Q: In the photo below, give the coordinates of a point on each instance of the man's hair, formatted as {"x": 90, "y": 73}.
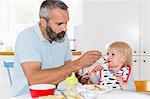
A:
{"x": 124, "y": 49}
{"x": 48, "y": 5}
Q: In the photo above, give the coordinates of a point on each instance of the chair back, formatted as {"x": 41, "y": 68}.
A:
{"x": 8, "y": 64}
{"x": 142, "y": 85}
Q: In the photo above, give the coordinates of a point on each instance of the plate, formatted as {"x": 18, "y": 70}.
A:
{"x": 59, "y": 97}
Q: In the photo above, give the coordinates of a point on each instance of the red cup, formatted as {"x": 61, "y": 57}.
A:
{"x": 39, "y": 90}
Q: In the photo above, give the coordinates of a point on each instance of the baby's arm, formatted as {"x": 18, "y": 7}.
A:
{"x": 97, "y": 68}
{"x": 85, "y": 79}
{"x": 95, "y": 77}
{"x": 92, "y": 76}
{"x": 122, "y": 83}
{"x": 129, "y": 85}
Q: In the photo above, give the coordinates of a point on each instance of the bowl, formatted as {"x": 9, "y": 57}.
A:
{"x": 39, "y": 90}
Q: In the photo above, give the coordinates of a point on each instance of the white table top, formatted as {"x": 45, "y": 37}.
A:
{"x": 123, "y": 95}
{"x": 108, "y": 95}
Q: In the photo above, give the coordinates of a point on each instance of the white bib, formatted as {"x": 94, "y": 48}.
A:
{"x": 108, "y": 77}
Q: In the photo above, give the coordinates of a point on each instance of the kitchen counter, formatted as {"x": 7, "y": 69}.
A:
{"x": 75, "y": 53}
{"x": 6, "y": 53}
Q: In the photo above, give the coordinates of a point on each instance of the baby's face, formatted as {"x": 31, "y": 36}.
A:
{"x": 115, "y": 58}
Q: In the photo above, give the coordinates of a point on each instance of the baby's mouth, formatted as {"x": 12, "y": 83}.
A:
{"x": 110, "y": 63}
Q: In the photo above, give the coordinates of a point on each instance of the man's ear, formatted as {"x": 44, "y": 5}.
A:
{"x": 43, "y": 22}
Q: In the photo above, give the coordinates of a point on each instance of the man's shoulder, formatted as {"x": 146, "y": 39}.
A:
{"x": 28, "y": 32}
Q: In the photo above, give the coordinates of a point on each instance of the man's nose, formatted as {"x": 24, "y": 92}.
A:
{"x": 64, "y": 28}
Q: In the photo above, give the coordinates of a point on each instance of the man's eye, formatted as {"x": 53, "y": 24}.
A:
{"x": 59, "y": 23}
{"x": 113, "y": 54}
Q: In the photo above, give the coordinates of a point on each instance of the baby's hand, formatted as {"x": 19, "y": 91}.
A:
{"x": 97, "y": 68}
{"x": 120, "y": 80}
{"x": 89, "y": 74}
{"x": 122, "y": 83}
{"x": 85, "y": 79}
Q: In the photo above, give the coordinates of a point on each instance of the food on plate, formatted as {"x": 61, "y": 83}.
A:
{"x": 93, "y": 87}
{"x": 59, "y": 97}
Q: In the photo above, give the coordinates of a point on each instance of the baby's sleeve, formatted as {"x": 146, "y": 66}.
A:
{"x": 95, "y": 78}
{"x": 130, "y": 83}
{"x": 105, "y": 65}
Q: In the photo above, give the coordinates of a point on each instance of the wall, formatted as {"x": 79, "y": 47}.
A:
{"x": 108, "y": 20}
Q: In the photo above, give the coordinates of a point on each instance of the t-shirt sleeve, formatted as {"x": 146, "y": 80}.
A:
{"x": 26, "y": 48}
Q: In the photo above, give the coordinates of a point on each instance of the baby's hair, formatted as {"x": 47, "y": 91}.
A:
{"x": 124, "y": 49}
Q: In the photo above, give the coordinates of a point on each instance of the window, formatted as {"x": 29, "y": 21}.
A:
{"x": 16, "y": 15}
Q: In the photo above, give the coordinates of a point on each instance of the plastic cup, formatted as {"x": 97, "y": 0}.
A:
{"x": 39, "y": 90}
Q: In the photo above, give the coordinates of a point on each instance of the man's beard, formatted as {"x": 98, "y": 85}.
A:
{"x": 57, "y": 37}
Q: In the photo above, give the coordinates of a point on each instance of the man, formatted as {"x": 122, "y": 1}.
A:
{"x": 42, "y": 52}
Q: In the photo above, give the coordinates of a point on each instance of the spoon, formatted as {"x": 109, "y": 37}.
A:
{"x": 64, "y": 95}
{"x": 103, "y": 58}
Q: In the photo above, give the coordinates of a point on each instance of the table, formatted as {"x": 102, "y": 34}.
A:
{"x": 123, "y": 95}
{"x": 118, "y": 94}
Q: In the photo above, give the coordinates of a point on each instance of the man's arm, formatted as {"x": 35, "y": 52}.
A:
{"x": 35, "y": 74}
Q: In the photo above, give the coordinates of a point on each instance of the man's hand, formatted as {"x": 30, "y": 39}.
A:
{"x": 89, "y": 58}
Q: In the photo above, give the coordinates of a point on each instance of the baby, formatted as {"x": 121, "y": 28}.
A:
{"x": 115, "y": 73}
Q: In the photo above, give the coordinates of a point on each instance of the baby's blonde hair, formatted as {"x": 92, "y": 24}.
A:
{"x": 124, "y": 49}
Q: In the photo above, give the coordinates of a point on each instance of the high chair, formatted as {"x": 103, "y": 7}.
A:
{"x": 142, "y": 85}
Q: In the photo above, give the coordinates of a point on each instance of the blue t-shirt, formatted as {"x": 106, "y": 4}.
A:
{"x": 32, "y": 46}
